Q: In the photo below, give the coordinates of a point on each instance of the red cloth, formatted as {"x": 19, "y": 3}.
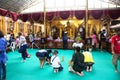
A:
{"x": 116, "y": 42}
{"x": 28, "y": 55}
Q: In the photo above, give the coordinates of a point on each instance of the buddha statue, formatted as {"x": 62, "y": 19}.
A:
{"x": 69, "y": 30}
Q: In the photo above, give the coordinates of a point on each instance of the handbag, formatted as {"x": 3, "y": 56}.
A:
{"x": 60, "y": 68}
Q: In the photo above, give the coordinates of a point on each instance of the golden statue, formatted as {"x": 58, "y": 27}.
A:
{"x": 69, "y": 30}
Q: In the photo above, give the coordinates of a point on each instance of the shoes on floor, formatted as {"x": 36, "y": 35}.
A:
{"x": 116, "y": 71}
{"x": 90, "y": 69}
{"x": 23, "y": 61}
{"x": 55, "y": 71}
{"x": 80, "y": 74}
{"x": 87, "y": 69}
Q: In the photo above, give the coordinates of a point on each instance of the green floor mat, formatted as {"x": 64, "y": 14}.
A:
{"x": 30, "y": 70}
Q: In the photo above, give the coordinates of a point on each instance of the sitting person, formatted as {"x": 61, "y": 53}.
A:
{"x": 77, "y": 44}
{"x": 43, "y": 55}
{"x": 88, "y": 60}
{"x": 78, "y": 38}
{"x": 55, "y": 60}
{"x": 77, "y": 62}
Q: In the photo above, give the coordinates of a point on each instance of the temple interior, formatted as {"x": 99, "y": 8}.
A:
{"x": 49, "y": 20}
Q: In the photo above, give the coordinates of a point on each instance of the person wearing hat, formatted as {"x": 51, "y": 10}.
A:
{"x": 116, "y": 49}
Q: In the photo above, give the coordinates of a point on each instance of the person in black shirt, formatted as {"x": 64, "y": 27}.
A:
{"x": 77, "y": 62}
{"x": 102, "y": 39}
{"x": 88, "y": 43}
{"x": 65, "y": 40}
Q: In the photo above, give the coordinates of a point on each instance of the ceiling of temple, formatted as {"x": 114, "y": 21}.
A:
{"x": 115, "y": 1}
{"x": 21, "y": 5}
{"x": 16, "y": 5}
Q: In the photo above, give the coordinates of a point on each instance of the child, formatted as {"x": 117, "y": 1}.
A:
{"x": 94, "y": 40}
{"x": 23, "y": 49}
{"x": 43, "y": 55}
{"x": 55, "y": 60}
{"x": 17, "y": 42}
{"x": 88, "y": 60}
{"x": 22, "y": 41}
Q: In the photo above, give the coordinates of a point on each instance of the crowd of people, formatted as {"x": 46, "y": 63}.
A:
{"x": 91, "y": 41}
{"x": 80, "y": 60}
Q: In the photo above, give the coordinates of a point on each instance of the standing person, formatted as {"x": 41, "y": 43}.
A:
{"x": 77, "y": 62}
{"x": 43, "y": 55}
{"x": 99, "y": 42}
{"x": 12, "y": 38}
{"x": 65, "y": 40}
{"x": 23, "y": 49}
{"x": 88, "y": 42}
{"x": 94, "y": 40}
{"x": 116, "y": 49}
{"x": 17, "y": 41}
{"x": 103, "y": 39}
{"x": 21, "y": 37}
{"x": 3, "y": 56}
{"x": 55, "y": 60}
{"x": 31, "y": 39}
{"x": 22, "y": 41}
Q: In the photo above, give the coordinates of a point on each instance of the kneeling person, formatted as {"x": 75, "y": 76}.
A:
{"x": 55, "y": 60}
{"x": 88, "y": 60}
{"x": 43, "y": 55}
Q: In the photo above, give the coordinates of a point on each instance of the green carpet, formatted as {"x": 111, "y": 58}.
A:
{"x": 30, "y": 70}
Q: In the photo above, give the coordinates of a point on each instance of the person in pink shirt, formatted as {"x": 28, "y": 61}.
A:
{"x": 17, "y": 42}
{"x": 94, "y": 40}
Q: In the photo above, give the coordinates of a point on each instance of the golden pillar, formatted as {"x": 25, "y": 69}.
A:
{"x": 25, "y": 27}
{"x": 86, "y": 18}
{"x": 17, "y": 27}
{"x": 45, "y": 27}
{"x": 1, "y": 22}
{"x": 3, "y": 26}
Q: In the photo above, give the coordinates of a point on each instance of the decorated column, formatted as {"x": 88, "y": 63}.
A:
{"x": 86, "y": 19}
{"x": 45, "y": 27}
